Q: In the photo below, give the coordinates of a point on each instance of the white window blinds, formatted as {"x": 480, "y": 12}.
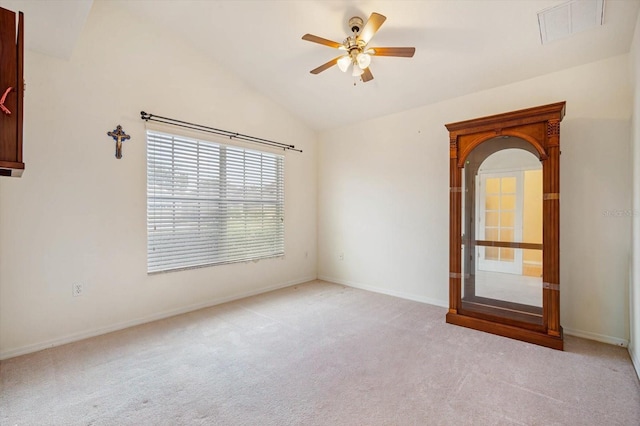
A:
{"x": 209, "y": 203}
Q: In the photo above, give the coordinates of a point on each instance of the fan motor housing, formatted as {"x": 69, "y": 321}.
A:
{"x": 355, "y": 24}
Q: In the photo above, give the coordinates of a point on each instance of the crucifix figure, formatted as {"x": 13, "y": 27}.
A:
{"x": 119, "y": 135}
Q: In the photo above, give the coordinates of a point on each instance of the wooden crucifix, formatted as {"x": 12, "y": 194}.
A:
{"x": 119, "y": 135}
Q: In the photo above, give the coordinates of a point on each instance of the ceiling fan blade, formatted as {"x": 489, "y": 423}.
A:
{"x": 326, "y": 66}
{"x": 371, "y": 27}
{"x": 366, "y": 75}
{"x": 324, "y": 41}
{"x": 404, "y": 52}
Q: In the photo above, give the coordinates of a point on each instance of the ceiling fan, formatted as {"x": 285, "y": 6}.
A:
{"x": 357, "y": 51}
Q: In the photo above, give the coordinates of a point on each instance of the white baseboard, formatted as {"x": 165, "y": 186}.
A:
{"x": 402, "y": 295}
{"x": 70, "y": 338}
{"x": 597, "y": 337}
{"x": 445, "y": 304}
{"x": 635, "y": 358}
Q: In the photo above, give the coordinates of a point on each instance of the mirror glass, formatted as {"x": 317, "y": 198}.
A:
{"x": 502, "y": 230}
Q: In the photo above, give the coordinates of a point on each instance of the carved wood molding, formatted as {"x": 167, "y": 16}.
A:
{"x": 553, "y": 128}
{"x": 453, "y": 147}
{"x": 553, "y": 133}
{"x": 509, "y": 119}
{"x": 464, "y": 151}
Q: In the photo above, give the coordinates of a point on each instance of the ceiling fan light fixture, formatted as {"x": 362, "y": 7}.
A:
{"x": 364, "y": 60}
{"x": 355, "y": 50}
{"x": 343, "y": 63}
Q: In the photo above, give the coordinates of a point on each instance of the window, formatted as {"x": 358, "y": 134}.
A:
{"x": 209, "y": 203}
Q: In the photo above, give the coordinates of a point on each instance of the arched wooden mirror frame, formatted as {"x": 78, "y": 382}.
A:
{"x": 540, "y": 127}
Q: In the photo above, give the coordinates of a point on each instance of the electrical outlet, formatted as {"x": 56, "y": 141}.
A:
{"x": 77, "y": 289}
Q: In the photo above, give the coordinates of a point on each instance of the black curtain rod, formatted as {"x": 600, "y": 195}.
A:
{"x": 234, "y": 136}
{"x": 220, "y": 132}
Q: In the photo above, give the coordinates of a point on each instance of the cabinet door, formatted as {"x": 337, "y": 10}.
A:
{"x": 11, "y": 92}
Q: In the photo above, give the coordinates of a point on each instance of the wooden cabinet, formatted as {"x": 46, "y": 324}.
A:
{"x": 504, "y": 277}
{"x": 11, "y": 92}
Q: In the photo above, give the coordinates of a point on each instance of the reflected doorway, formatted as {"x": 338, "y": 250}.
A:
{"x": 502, "y": 228}
{"x": 499, "y": 218}
{"x": 509, "y": 210}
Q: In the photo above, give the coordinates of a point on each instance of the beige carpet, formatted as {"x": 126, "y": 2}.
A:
{"x": 318, "y": 354}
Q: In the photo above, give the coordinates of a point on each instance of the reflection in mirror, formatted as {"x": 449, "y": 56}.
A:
{"x": 502, "y": 230}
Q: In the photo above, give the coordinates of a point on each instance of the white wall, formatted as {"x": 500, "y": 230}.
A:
{"x": 78, "y": 214}
{"x": 634, "y": 290}
{"x": 384, "y": 191}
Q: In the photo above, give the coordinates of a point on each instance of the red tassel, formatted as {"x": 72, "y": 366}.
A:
{"x": 4, "y": 98}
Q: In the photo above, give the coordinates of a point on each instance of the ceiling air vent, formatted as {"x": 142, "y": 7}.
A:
{"x": 568, "y": 18}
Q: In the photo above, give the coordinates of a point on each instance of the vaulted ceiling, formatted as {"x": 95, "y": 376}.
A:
{"x": 462, "y": 46}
